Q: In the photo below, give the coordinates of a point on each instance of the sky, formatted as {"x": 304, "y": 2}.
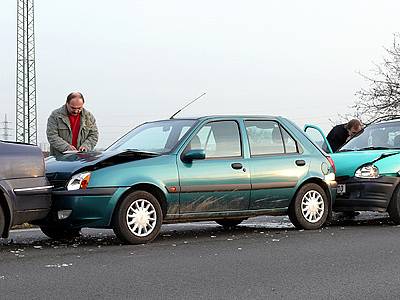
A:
{"x": 137, "y": 61}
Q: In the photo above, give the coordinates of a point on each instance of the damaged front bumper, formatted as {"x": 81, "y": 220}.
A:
{"x": 92, "y": 207}
{"x": 366, "y": 194}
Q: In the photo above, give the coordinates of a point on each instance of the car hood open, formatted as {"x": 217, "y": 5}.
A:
{"x": 64, "y": 166}
{"x": 347, "y": 163}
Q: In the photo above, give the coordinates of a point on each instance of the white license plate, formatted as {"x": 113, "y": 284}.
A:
{"x": 341, "y": 189}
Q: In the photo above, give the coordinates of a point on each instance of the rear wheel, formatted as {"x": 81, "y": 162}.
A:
{"x": 138, "y": 218}
{"x": 2, "y": 221}
{"x": 394, "y": 207}
{"x": 310, "y": 208}
{"x": 58, "y": 232}
{"x": 228, "y": 223}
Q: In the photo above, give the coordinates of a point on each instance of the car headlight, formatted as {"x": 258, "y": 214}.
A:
{"x": 367, "y": 171}
{"x": 79, "y": 181}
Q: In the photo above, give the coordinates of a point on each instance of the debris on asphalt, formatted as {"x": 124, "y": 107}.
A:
{"x": 58, "y": 265}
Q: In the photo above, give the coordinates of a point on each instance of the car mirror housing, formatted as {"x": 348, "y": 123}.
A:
{"x": 194, "y": 154}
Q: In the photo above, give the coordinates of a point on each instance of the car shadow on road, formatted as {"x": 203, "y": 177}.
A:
{"x": 186, "y": 232}
{"x": 170, "y": 233}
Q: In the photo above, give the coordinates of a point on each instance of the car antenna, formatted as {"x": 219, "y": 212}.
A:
{"x": 187, "y": 105}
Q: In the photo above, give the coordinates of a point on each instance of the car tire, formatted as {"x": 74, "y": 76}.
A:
{"x": 310, "y": 207}
{"x": 229, "y": 223}
{"x": 394, "y": 206}
{"x": 58, "y": 232}
{"x": 2, "y": 221}
{"x": 138, "y": 218}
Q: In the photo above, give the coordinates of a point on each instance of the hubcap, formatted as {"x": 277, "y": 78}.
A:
{"x": 312, "y": 206}
{"x": 141, "y": 217}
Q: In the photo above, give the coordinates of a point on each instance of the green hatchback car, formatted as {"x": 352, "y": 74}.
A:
{"x": 367, "y": 169}
{"x": 221, "y": 168}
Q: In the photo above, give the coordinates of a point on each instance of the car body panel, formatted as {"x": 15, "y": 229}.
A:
{"x": 348, "y": 162}
{"x": 93, "y": 207}
{"x": 25, "y": 191}
{"x": 274, "y": 180}
{"x": 212, "y": 185}
{"x": 197, "y": 190}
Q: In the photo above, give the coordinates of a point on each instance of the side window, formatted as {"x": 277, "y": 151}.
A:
{"x": 219, "y": 139}
{"x": 290, "y": 143}
{"x": 264, "y": 137}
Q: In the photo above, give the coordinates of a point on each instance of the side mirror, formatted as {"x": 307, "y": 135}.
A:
{"x": 193, "y": 155}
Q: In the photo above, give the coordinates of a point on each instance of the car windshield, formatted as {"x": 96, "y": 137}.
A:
{"x": 376, "y": 137}
{"x": 157, "y": 137}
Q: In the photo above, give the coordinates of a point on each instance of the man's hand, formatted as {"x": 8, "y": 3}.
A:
{"x": 71, "y": 147}
{"x": 82, "y": 149}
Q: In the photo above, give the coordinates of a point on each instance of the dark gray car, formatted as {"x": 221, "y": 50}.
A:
{"x": 25, "y": 193}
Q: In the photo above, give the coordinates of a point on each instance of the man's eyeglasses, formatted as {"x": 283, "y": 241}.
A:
{"x": 78, "y": 109}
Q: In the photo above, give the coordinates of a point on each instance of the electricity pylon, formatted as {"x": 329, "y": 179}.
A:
{"x": 26, "y": 112}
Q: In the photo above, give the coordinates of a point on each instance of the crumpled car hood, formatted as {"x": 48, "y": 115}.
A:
{"x": 71, "y": 163}
{"x": 348, "y": 162}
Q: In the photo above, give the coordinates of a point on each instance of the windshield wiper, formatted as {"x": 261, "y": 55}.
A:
{"x": 345, "y": 150}
{"x": 142, "y": 151}
{"x": 374, "y": 148}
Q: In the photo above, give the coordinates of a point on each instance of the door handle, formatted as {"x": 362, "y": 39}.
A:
{"x": 237, "y": 166}
{"x": 300, "y": 162}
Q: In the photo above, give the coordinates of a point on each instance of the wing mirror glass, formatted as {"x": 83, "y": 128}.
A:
{"x": 194, "y": 154}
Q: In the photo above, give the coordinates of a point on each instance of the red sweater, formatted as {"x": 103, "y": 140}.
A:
{"x": 75, "y": 122}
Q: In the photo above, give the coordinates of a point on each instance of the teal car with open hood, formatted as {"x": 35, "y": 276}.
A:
{"x": 367, "y": 169}
{"x": 221, "y": 168}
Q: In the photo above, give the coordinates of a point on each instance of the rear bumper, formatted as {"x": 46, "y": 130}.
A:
{"x": 26, "y": 200}
{"x": 366, "y": 194}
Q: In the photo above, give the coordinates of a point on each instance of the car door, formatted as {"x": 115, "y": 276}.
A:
{"x": 276, "y": 164}
{"x": 221, "y": 181}
{"x": 317, "y": 136}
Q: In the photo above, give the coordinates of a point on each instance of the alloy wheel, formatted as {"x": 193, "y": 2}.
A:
{"x": 312, "y": 206}
{"x": 141, "y": 217}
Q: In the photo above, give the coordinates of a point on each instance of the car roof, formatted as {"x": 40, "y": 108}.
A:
{"x": 227, "y": 117}
{"x": 388, "y": 122}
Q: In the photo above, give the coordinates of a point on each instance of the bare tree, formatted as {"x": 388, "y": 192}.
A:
{"x": 381, "y": 100}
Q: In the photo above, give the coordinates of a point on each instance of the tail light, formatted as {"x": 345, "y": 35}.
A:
{"x": 332, "y": 163}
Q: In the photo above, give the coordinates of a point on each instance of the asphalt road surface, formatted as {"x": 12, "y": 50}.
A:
{"x": 263, "y": 258}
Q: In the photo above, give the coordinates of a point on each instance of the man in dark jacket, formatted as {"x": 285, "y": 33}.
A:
{"x": 71, "y": 127}
{"x": 340, "y": 134}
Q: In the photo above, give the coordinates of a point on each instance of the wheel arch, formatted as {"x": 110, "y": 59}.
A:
{"x": 147, "y": 187}
{"x": 5, "y": 205}
{"x": 319, "y": 182}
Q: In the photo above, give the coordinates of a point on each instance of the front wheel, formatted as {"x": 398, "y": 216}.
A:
{"x": 58, "y": 232}
{"x": 310, "y": 207}
{"x": 138, "y": 218}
